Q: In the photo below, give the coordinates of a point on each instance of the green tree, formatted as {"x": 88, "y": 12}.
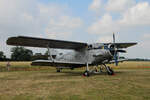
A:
{"x": 21, "y": 54}
{"x": 2, "y": 56}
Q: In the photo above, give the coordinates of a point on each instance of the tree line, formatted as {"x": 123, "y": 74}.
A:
{"x": 22, "y": 54}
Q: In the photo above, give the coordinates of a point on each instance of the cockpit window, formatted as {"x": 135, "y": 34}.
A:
{"x": 98, "y": 47}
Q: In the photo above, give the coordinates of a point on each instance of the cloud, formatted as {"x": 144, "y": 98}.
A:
{"x": 36, "y": 19}
{"x": 105, "y": 39}
{"x": 28, "y": 17}
{"x": 131, "y": 21}
{"x": 63, "y": 26}
{"x": 146, "y": 36}
{"x": 137, "y": 16}
{"x": 143, "y": 46}
{"x": 132, "y": 18}
{"x": 104, "y": 25}
{"x": 145, "y": 40}
{"x": 16, "y": 16}
{"x": 96, "y": 6}
{"x": 119, "y": 5}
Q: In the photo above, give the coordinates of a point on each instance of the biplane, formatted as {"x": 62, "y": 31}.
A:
{"x": 82, "y": 55}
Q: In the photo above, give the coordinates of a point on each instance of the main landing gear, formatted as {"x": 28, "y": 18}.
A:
{"x": 103, "y": 68}
{"x": 109, "y": 70}
{"x": 87, "y": 72}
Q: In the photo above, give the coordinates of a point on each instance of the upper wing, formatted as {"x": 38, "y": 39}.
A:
{"x": 123, "y": 45}
{"x": 44, "y": 43}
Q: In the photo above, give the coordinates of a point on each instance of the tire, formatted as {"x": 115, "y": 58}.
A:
{"x": 58, "y": 70}
{"x": 110, "y": 71}
{"x": 86, "y": 73}
{"x": 72, "y": 68}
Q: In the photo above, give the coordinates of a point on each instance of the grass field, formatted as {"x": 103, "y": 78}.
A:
{"x": 23, "y": 82}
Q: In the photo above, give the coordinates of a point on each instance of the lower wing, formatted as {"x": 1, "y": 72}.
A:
{"x": 58, "y": 64}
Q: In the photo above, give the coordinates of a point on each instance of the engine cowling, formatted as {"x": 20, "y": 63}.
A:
{"x": 111, "y": 48}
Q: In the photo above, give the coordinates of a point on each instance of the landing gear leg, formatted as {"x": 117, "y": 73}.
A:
{"x": 109, "y": 70}
{"x": 87, "y": 72}
{"x": 102, "y": 67}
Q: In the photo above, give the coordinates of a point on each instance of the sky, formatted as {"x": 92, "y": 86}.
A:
{"x": 91, "y": 21}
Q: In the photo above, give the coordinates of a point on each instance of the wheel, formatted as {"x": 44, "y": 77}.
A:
{"x": 86, "y": 73}
{"x": 72, "y": 68}
{"x": 58, "y": 70}
{"x": 110, "y": 71}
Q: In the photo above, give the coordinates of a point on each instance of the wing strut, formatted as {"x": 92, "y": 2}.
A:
{"x": 49, "y": 53}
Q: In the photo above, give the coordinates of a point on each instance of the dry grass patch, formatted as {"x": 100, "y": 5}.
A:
{"x": 132, "y": 65}
{"x": 127, "y": 84}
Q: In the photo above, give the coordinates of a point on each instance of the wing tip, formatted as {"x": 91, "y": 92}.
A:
{"x": 135, "y": 43}
{"x": 9, "y": 40}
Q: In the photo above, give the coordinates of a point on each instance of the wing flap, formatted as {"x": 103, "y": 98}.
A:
{"x": 44, "y": 43}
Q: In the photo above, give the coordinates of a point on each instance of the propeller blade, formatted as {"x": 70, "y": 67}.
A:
{"x": 116, "y": 59}
{"x": 113, "y": 38}
{"x": 115, "y": 51}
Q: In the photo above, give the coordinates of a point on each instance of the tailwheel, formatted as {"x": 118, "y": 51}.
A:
{"x": 72, "y": 68}
{"x": 58, "y": 70}
{"x": 86, "y": 73}
{"x": 110, "y": 71}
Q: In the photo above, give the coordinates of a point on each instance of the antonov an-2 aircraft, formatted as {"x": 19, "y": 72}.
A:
{"x": 83, "y": 54}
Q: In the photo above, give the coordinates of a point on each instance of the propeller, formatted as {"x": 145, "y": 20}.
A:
{"x": 115, "y": 51}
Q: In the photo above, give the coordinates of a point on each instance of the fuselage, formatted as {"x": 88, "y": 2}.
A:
{"x": 96, "y": 54}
